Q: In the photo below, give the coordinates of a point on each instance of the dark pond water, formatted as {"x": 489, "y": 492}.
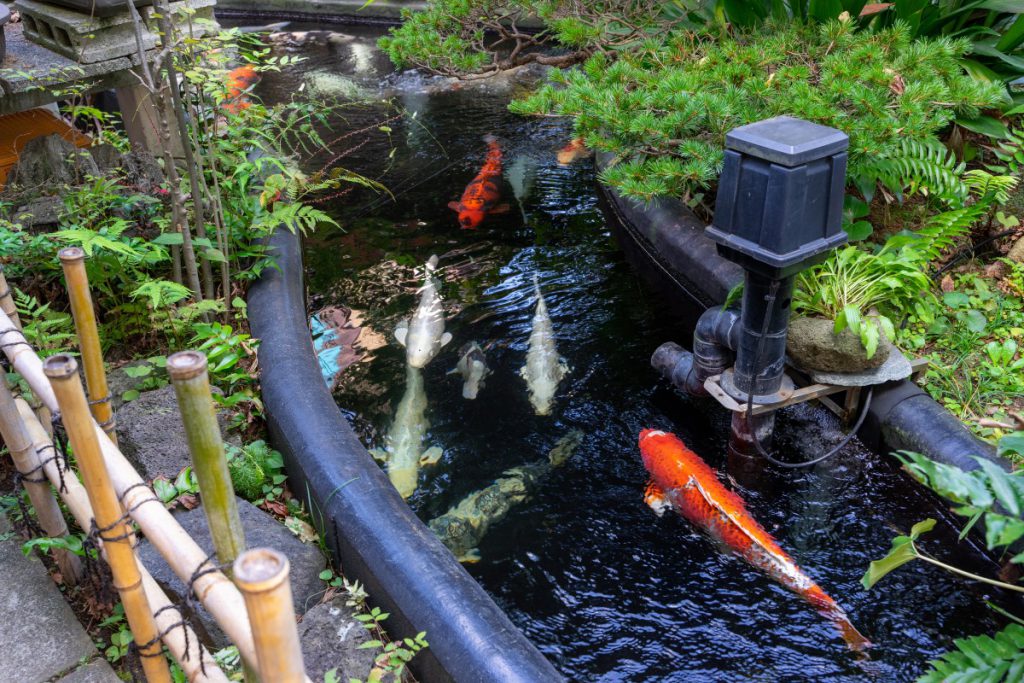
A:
{"x": 605, "y": 589}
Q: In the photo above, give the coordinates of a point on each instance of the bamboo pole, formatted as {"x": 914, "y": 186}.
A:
{"x": 27, "y": 461}
{"x": 215, "y": 590}
{"x": 7, "y": 299}
{"x": 62, "y": 370}
{"x": 262, "y": 576}
{"x": 72, "y": 260}
{"x": 187, "y": 370}
{"x": 181, "y": 640}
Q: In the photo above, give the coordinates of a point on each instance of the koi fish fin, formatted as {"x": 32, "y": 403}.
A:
{"x": 656, "y": 499}
{"x": 713, "y": 502}
{"x": 455, "y": 206}
{"x": 854, "y": 639}
{"x": 500, "y": 208}
{"x": 445, "y": 338}
{"x": 402, "y": 331}
{"x": 470, "y": 556}
{"x": 431, "y": 456}
{"x": 432, "y": 263}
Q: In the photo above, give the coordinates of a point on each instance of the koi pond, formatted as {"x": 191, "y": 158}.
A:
{"x": 604, "y": 587}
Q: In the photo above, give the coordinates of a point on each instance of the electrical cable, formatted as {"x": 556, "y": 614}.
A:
{"x": 769, "y": 311}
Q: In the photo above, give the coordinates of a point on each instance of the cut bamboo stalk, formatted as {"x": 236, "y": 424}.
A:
{"x": 72, "y": 259}
{"x": 62, "y": 370}
{"x": 262, "y": 576}
{"x": 192, "y": 386}
{"x": 215, "y": 590}
{"x": 27, "y": 461}
{"x": 7, "y": 299}
{"x": 182, "y": 641}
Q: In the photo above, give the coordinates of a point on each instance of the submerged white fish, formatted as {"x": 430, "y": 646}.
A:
{"x": 403, "y": 452}
{"x": 472, "y": 366}
{"x": 424, "y": 335}
{"x": 544, "y": 368}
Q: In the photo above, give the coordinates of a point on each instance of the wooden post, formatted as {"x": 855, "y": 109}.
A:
{"x": 72, "y": 259}
{"x": 187, "y": 370}
{"x": 262, "y": 576}
{"x": 28, "y": 462}
{"x": 114, "y": 530}
{"x": 7, "y": 299}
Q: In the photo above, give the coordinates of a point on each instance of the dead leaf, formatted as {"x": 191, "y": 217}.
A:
{"x": 305, "y": 532}
{"x": 189, "y": 501}
{"x": 995, "y": 270}
{"x": 875, "y": 8}
{"x": 897, "y": 86}
{"x": 947, "y": 284}
{"x": 275, "y": 507}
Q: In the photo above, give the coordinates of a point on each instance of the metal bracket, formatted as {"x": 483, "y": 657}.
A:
{"x": 806, "y": 392}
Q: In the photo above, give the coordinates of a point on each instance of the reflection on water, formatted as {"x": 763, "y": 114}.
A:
{"x": 603, "y": 587}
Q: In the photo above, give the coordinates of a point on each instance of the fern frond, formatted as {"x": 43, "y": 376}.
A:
{"x": 982, "y": 658}
{"x": 988, "y": 187}
{"x": 925, "y": 167}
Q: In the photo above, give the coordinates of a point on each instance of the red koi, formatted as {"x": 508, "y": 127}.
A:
{"x": 681, "y": 480}
{"x": 576, "y": 149}
{"x": 481, "y": 195}
{"x": 238, "y": 82}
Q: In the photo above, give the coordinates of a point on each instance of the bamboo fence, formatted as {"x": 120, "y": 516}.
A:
{"x": 189, "y": 562}
{"x": 72, "y": 260}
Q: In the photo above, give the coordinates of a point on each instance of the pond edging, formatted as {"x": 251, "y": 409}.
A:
{"x": 373, "y": 535}
{"x": 902, "y": 416}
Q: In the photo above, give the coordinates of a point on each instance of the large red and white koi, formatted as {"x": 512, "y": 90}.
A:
{"x": 682, "y": 481}
{"x": 481, "y": 196}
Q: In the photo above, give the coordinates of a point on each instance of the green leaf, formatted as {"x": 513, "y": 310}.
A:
{"x": 168, "y": 239}
{"x": 986, "y": 125}
{"x": 1011, "y": 444}
{"x": 902, "y": 552}
{"x": 956, "y": 299}
{"x": 164, "y": 490}
{"x": 975, "y": 321}
{"x": 869, "y": 337}
{"x": 999, "y": 481}
{"x": 130, "y": 395}
{"x": 859, "y": 230}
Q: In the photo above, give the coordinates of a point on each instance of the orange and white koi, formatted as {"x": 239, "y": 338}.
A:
{"x": 239, "y": 80}
{"x": 681, "y": 480}
{"x": 576, "y": 149}
{"x": 481, "y": 196}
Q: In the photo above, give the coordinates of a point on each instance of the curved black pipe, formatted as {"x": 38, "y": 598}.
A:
{"x": 668, "y": 236}
{"x": 372, "y": 533}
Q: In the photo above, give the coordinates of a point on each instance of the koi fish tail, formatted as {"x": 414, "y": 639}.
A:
{"x": 854, "y": 639}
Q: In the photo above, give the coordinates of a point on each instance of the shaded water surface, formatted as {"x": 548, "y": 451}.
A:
{"x": 604, "y": 588}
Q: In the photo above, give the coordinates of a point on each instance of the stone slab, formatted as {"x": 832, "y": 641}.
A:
{"x": 261, "y": 530}
{"x": 895, "y": 367}
{"x": 330, "y": 638}
{"x": 41, "y": 637}
{"x": 96, "y": 671}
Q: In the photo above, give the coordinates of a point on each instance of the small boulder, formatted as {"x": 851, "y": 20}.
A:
{"x": 813, "y": 346}
{"x": 262, "y": 530}
{"x": 330, "y": 637}
{"x": 151, "y": 435}
{"x": 48, "y": 163}
{"x": 1017, "y": 251}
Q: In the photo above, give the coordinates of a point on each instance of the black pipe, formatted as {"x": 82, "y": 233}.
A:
{"x": 372, "y": 533}
{"x": 761, "y": 358}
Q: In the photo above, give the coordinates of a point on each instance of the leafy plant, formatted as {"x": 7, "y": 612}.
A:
{"x": 994, "y": 497}
{"x": 257, "y": 471}
{"x": 47, "y": 330}
{"x": 390, "y": 663}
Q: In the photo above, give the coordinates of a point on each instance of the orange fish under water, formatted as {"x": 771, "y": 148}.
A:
{"x": 576, "y": 149}
{"x": 681, "y": 480}
{"x": 238, "y": 81}
{"x": 481, "y": 196}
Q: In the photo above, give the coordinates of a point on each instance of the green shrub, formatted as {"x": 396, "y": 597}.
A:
{"x": 663, "y": 111}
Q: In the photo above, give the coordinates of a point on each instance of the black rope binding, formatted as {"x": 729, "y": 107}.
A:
{"x": 748, "y": 416}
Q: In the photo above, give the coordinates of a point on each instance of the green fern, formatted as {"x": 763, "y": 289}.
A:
{"x": 1010, "y": 151}
{"x": 48, "y": 331}
{"x": 915, "y": 167}
{"x": 988, "y": 187}
{"x": 993, "y": 659}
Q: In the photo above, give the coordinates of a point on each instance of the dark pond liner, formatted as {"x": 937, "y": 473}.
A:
{"x": 666, "y": 239}
{"x": 374, "y": 536}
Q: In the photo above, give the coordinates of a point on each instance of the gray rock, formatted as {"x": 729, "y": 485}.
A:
{"x": 812, "y": 345}
{"x": 261, "y": 530}
{"x": 1017, "y": 251}
{"x": 96, "y": 671}
{"x": 118, "y": 381}
{"x": 48, "y": 163}
{"x": 142, "y": 171}
{"x": 106, "y": 156}
{"x": 41, "y": 212}
{"x": 151, "y": 435}
{"x": 41, "y": 637}
{"x": 895, "y": 367}
{"x": 330, "y": 638}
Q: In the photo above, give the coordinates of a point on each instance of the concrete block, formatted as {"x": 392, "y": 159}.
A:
{"x": 41, "y": 637}
{"x": 96, "y": 671}
{"x": 88, "y": 39}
